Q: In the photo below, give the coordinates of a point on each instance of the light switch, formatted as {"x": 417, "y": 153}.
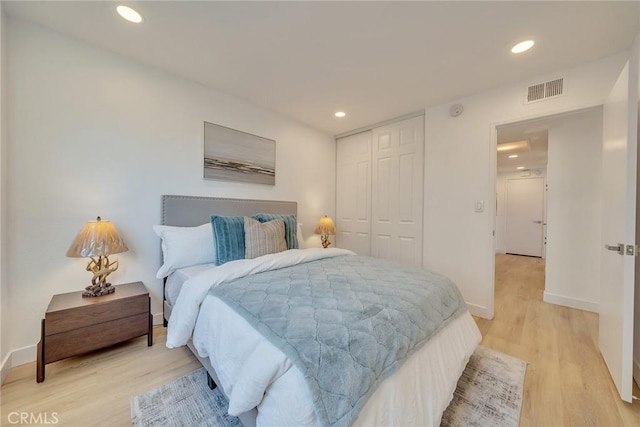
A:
{"x": 479, "y": 206}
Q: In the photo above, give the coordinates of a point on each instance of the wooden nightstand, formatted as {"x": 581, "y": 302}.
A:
{"x": 74, "y": 325}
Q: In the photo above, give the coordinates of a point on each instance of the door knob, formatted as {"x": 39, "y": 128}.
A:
{"x": 617, "y": 248}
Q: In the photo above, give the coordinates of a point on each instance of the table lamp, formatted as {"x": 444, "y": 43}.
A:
{"x": 325, "y": 228}
{"x": 97, "y": 240}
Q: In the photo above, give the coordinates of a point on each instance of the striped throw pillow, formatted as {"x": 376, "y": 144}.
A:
{"x": 290, "y": 228}
{"x": 263, "y": 238}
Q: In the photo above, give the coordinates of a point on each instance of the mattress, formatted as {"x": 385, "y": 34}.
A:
{"x": 176, "y": 279}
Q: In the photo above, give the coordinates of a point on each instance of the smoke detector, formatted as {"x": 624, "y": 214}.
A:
{"x": 456, "y": 110}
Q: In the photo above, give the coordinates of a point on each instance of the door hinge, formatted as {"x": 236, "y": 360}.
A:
{"x": 631, "y": 250}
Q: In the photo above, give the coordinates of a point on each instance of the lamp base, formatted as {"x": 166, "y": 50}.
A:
{"x": 98, "y": 291}
{"x": 100, "y": 268}
{"x": 324, "y": 239}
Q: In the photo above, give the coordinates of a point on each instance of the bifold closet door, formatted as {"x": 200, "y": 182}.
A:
{"x": 397, "y": 191}
{"x": 353, "y": 193}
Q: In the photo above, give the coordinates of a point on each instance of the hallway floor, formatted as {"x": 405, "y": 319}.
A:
{"x": 567, "y": 382}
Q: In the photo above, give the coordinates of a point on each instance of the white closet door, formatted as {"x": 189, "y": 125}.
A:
{"x": 353, "y": 193}
{"x": 397, "y": 188}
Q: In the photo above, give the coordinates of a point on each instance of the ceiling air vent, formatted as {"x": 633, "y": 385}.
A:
{"x": 536, "y": 92}
{"x": 542, "y": 91}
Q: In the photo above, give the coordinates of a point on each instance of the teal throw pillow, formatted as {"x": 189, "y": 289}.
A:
{"x": 229, "y": 238}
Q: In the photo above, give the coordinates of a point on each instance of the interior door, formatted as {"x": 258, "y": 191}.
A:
{"x": 618, "y": 227}
{"x": 525, "y": 216}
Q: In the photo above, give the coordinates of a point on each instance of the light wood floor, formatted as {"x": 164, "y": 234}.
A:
{"x": 94, "y": 390}
{"x": 566, "y": 384}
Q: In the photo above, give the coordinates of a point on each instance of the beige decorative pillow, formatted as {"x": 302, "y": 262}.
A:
{"x": 262, "y": 238}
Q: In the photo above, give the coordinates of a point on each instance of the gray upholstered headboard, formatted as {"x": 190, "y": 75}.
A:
{"x": 191, "y": 211}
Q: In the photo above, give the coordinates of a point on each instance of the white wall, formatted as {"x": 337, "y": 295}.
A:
{"x": 93, "y": 133}
{"x": 572, "y": 276}
{"x": 457, "y": 241}
{"x": 501, "y": 203}
{"x": 5, "y": 346}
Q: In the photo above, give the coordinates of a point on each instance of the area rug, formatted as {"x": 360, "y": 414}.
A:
{"x": 489, "y": 393}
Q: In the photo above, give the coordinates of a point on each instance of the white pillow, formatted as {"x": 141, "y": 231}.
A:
{"x": 300, "y": 237}
{"x": 185, "y": 246}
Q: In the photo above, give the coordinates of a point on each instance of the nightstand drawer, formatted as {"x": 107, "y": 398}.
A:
{"x": 82, "y": 340}
{"x": 68, "y": 320}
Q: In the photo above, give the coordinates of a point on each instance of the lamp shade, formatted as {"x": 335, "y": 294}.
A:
{"x": 97, "y": 238}
{"x": 325, "y": 226}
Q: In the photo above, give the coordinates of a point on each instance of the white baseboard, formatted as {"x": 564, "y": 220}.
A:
{"x": 4, "y": 367}
{"x": 479, "y": 310}
{"x": 158, "y": 318}
{"x": 24, "y": 355}
{"x": 571, "y": 302}
{"x": 18, "y": 357}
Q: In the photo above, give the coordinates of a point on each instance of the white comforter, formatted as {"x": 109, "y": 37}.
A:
{"x": 254, "y": 373}
{"x": 184, "y": 313}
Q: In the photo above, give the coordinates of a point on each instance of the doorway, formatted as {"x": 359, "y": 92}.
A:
{"x": 564, "y": 152}
{"x": 522, "y": 154}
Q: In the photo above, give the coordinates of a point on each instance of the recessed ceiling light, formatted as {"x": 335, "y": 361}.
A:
{"x": 340, "y": 114}
{"x": 513, "y": 156}
{"x": 513, "y": 146}
{"x": 520, "y": 168}
{"x": 522, "y": 46}
{"x": 129, "y": 14}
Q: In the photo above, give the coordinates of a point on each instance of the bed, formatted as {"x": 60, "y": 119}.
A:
{"x": 267, "y": 385}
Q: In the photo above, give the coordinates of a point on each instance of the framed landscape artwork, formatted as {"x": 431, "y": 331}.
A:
{"x": 232, "y": 155}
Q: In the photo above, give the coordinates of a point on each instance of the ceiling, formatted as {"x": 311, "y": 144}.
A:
{"x": 536, "y": 133}
{"x": 373, "y": 60}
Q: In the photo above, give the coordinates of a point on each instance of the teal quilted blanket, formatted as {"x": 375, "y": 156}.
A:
{"x": 346, "y": 322}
